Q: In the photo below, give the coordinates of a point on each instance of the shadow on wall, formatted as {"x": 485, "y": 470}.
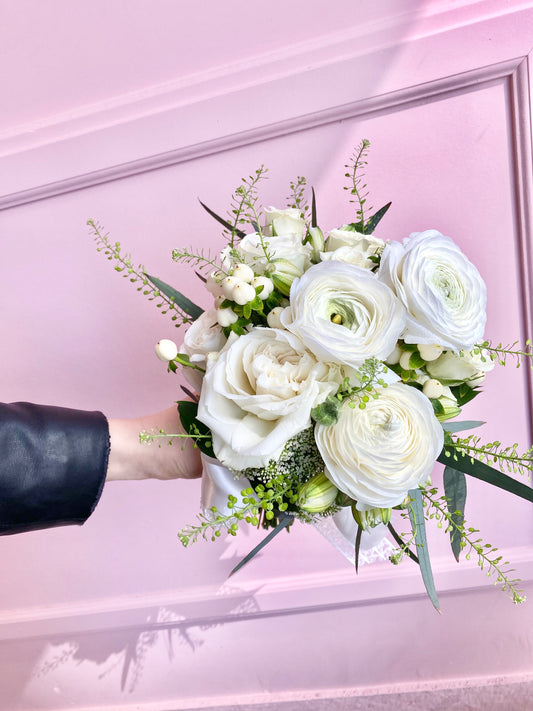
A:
{"x": 40, "y": 667}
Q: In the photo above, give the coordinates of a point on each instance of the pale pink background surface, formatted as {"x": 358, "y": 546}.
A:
{"x": 129, "y": 112}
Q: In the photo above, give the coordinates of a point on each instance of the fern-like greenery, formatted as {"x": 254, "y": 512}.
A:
{"x": 501, "y": 353}
{"x": 296, "y": 198}
{"x": 494, "y": 454}
{"x": 356, "y": 187}
{"x": 136, "y": 274}
{"x": 488, "y": 558}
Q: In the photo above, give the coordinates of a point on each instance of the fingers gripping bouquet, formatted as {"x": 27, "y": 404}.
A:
{"x": 328, "y": 369}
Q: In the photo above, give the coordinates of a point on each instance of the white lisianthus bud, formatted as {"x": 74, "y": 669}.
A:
{"x": 432, "y": 389}
{"x": 213, "y": 283}
{"x": 283, "y": 273}
{"x": 166, "y": 350}
{"x": 394, "y": 357}
{"x": 371, "y": 517}
{"x": 266, "y": 283}
{"x": 228, "y": 284}
{"x": 317, "y": 494}
{"x": 225, "y": 317}
{"x": 243, "y": 272}
{"x": 273, "y": 318}
{"x": 429, "y": 352}
{"x": 315, "y": 237}
{"x": 243, "y": 293}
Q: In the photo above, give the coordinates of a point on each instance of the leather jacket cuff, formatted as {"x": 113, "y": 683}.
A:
{"x": 53, "y": 464}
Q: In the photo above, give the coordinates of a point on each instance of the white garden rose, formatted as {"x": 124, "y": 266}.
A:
{"x": 344, "y": 314}
{"x": 377, "y": 454}
{"x": 202, "y": 337}
{"x": 284, "y": 222}
{"x": 288, "y": 246}
{"x": 441, "y": 289}
{"x": 353, "y": 247}
{"x": 259, "y": 392}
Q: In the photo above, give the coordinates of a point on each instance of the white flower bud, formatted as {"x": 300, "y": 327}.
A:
{"x": 432, "y": 389}
{"x": 228, "y": 285}
{"x": 429, "y": 352}
{"x": 243, "y": 293}
{"x": 166, "y": 350}
{"x": 225, "y": 317}
{"x": 283, "y": 273}
{"x": 317, "y": 494}
{"x": 404, "y": 360}
{"x": 243, "y": 272}
{"x": 476, "y": 379}
{"x": 394, "y": 357}
{"x": 266, "y": 283}
{"x": 273, "y": 318}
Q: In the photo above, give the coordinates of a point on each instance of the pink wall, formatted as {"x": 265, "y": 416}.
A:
{"x": 130, "y": 116}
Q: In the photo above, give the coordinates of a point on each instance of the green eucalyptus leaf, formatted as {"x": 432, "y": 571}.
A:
{"x": 418, "y": 524}
{"x": 182, "y": 301}
{"x": 284, "y": 521}
{"x": 480, "y": 470}
{"x": 455, "y": 492}
{"x": 358, "y": 547}
{"x": 234, "y": 230}
{"x": 373, "y": 222}
{"x": 461, "y": 426}
{"x": 313, "y": 209}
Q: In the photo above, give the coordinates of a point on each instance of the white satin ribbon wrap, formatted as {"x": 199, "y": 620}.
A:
{"x": 218, "y": 482}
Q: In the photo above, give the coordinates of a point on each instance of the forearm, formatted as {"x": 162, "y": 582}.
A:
{"x": 162, "y": 459}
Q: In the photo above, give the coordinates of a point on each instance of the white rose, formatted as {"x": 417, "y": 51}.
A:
{"x": 202, "y": 337}
{"x": 466, "y": 367}
{"x": 353, "y": 247}
{"x": 377, "y": 454}
{"x": 344, "y": 314}
{"x": 440, "y": 288}
{"x": 284, "y": 222}
{"x": 287, "y": 247}
{"x": 259, "y": 392}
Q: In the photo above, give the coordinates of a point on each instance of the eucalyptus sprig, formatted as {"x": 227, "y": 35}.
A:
{"x": 488, "y": 558}
{"x": 137, "y": 275}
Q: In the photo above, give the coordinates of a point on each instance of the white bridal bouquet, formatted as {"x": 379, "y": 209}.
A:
{"x": 327, "y": 372}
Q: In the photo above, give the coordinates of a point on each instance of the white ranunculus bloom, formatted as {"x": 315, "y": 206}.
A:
{"x": 259, "y": 392}
{"x": 465, "y": 367}
{"x": 288, "y": 246}
{"x": 344, "y": 314}
{"x": 202, "y": 337}
{"x": 284, "y": 222}
{"x": 377, "y": 454}
{"x": 353, "y": 247}
{"x": 441, "y": 289}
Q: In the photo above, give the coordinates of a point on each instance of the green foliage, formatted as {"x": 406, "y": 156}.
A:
{"x": 418, "y": 524}
{"x": 296, "y": 198}
{"x": 137, "y": 275}
{"x": 505, "y": 458}
{"x": 501, "y": 353}
{"x": 488, "y": 558}
{"x": 356, "y": 187}
{"x": 194, "y": 428}
{"x": 244, "y": 207}
{"x": 455, "y": 493}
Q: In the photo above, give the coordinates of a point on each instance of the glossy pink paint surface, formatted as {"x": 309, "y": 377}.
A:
{"x": 130, "y": 112}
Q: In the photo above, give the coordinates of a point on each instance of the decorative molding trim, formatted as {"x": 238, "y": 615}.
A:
{"x": 521, "y": 127}
{"x": 394, "y": 101}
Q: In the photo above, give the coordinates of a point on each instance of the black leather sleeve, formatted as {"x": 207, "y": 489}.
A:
{"x": 53, "y": 463}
